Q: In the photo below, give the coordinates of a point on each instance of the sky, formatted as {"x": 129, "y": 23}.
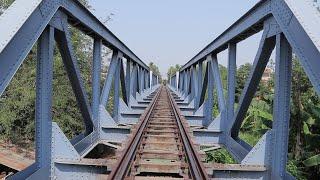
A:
{"x": 169, "y": 32}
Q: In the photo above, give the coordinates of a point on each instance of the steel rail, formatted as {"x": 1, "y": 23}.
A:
{"x": 122, "y": 167}
{"x": 197, "y": 169}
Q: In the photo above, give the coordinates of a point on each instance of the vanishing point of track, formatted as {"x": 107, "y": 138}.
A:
{"x": 160, "y": 145}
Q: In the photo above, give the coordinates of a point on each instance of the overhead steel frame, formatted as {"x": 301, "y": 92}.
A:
{"x": 47, "y": 22}
{"x": 288, "y": 25}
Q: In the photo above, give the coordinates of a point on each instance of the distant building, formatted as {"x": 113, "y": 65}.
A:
{"x": 267, "y": 75}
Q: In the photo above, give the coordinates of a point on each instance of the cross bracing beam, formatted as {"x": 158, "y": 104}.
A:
{"x": 48, "y": 22}
{"x": 261, "y": 60}
{"x": 291, "y": 27}
{"x": 33, "y": 17}
{"x": 63, "y": 39}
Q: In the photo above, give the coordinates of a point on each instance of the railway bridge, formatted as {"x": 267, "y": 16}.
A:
{"x": 156, "y": 131}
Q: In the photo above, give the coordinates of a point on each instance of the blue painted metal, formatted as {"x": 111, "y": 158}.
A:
{"x": 116, "y": 90}
{"x": 259, "y": 64}
{"x": 96, "y": 77}
{"x": 281, "y": 108}
{"x": 232, "y": 68}
{"x": 209, "y": 101}
{"x": 45, "y": 21}
{"x": 218, "y": 82}
{"x": 111, "y": 72}
{"x": 128, "y": 80}
{"x": 44, "y": 99}
{"x": 63, "y": 40}
{"x": 288, "y": 25}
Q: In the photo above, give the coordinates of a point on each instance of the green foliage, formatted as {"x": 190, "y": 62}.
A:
{"x": 4, "y": 4}
{"x": 17, "y": 104}
{"x": 224, "y": 76}
{"x": 172, "y": 70}
{"x": 220, "y": 156}
{"x": 312, "y": 161}
{"x": 155, "y": 69}
{"x": 241, "y": 78}
{"x": 304, "y": 140}
{"x": 296, "y": 171}
{"x": 249, "y": 137}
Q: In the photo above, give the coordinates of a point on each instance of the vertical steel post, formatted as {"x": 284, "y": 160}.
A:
{"x": 145, "y": 79}
{"x": 150, "y": 79}
{"x": 181, "y": 78}
{"x": 218, "y": 82}
{"x": 192, "y": 83}
{"x": 128, "y": 80}
{"x": 134, "y": 80}
{"x": 186, "y": 84}
{"x": 177, "y": 81}
{"x": 116, "y": 92}
{"x": 44, "y": 98}
{"x": 141, "y": 80}
{"x": 96, "y": 77}
{"x": 200, "y": 71}
{"x": 232, "y": 69}
{"x": 281, "y": 108}
{"x": 209, "y": 103}
{"x": 108, "y": 82}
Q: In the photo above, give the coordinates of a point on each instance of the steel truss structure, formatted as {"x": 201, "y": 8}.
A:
{"x": 47, "y": 22}
{"x": 289, "y": 26}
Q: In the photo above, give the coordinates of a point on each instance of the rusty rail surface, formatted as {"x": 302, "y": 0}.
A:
{"x": 197, "y": 169}
{"x": 160, "y": 146}
{"x": 122, "y": 167}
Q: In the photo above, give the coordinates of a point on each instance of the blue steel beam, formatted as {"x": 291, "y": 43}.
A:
{"x": 96, "y": 78}
{"x": 116, "y": 55}
{"x": 204, "y": 85}
{"x": 33, "y": 17}
{"x": 281, "y": 107}
{"x": 218, "y": 82}
{"x": 70, "y": 62}
{"x": 232, "y": 69}
{"x": 200, "y": 81}
{"x": 260, "y": 62}
{"x": 134, "y": 80}
{"x": 304, "y": 39}
{"x": 56, "y": 156}
{"x": 209, "y": 102}
{"x": 247, "y": 25}
{"x": 293, "y": 25}
{"x": 91, "y": 25}
{"x": 116, "y": 92}
{"x": 128, "y": 80}
{"x": 123, "y": 83}
{"x": 44, "y": 98}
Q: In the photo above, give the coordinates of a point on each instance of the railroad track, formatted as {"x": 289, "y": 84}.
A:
{"x": 160, "y": 146}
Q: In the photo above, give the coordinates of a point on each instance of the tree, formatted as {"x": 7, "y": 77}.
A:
{"x": 17, "y": 104}
{"x": 241, "y": 79}
{"x": 155, "y": 69}
{"x": 172, "y": 70}
{"x": 4, "y": 4}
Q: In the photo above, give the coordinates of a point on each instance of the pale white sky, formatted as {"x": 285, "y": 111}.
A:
{"x": 171, "y": 32}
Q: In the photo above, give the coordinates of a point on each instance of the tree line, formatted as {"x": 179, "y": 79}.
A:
{"x": 304, "y": 136}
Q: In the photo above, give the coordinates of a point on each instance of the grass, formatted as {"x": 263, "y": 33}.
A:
{"x": 220, "y": 156}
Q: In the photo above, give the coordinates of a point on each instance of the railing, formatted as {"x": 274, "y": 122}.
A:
{"x": 281, "y": 30}
{"x": 47, "y": 22}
